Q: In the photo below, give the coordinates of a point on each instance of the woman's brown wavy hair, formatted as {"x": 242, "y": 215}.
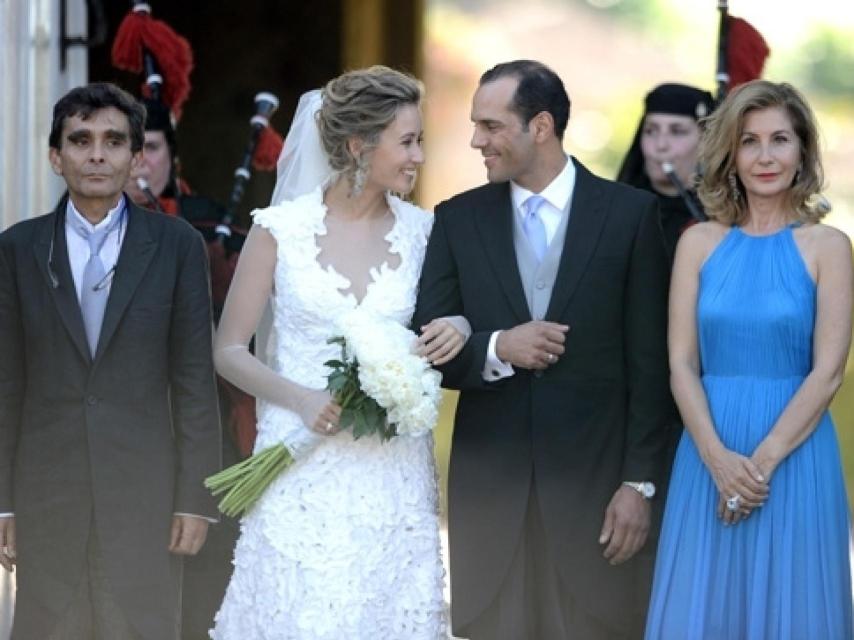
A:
{"x": 720, "y": 141}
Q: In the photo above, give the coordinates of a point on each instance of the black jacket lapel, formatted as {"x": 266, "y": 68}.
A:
{"x": 64, "y": 294}
{"x": 494, "y": 221}
{"x": 587, "y": 216}
{"x": 134, "y": 258}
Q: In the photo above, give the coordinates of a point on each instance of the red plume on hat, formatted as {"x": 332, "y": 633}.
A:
{"x": 140, "y": 33}
{"x": 746, "y": 52}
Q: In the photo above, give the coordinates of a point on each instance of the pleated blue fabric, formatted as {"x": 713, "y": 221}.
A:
{"x": 783, "y": 574}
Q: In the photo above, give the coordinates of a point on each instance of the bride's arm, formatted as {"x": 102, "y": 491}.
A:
{"x": 244, "y": 305}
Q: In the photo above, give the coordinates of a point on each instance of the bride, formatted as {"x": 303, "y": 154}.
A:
{"x": 345, "y": 543}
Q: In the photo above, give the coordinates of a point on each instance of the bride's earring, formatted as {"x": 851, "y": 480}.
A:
{"x": 359, "y": 177}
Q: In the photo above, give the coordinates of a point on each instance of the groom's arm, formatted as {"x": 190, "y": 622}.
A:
{"x": 627, "y": 516}
{"x": 647, "y": 371}
{"x": 439, "y": 295}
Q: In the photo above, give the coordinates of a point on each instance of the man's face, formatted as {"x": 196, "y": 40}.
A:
{"x": 95, "y": 158}
{"x": 155, "y": 167}
{"x": 505, "y": 142}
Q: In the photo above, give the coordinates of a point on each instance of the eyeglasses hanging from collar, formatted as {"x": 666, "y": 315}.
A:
{"x": 103, "y": 282}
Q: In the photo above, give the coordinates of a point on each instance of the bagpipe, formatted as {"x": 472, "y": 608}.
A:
{"x": 741, "y": 55}
{"x": 742, "y": 52}
{"x": 150, "y": 47}
{"x": 262, "y": 151}
{"x": 223, "y": 234}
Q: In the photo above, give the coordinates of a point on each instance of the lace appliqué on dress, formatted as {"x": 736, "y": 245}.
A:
{"x": 346, "y": 543}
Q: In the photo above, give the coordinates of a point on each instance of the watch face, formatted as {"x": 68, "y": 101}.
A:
{"x": 647, "y": 489}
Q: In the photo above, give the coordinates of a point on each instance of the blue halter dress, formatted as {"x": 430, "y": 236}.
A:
{"x": 783, "y": 574}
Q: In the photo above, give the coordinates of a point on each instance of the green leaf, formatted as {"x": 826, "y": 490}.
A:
{"x": 360, "y": 426}
{"x": 336, "y": 382}
{"x": 347, "y": 418}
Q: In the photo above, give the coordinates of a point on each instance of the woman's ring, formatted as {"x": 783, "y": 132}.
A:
{"x": 733, "y": 503}
{"x": 329, "y": 427}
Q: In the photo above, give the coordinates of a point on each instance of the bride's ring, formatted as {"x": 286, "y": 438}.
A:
{"x": 329, "y": 427}
{"x": 733, "y": 502}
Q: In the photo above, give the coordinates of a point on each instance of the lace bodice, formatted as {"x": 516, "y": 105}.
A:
{"x": 307, "y": 297}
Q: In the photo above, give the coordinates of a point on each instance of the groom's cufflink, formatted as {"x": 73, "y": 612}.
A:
{"x": 646, "y": 489}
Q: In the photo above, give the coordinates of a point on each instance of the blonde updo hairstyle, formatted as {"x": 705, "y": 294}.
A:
{"x": 361, "y": 104}
{"x": 720, "y": 143}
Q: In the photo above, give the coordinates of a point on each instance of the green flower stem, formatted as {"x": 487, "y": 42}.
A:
{"x": 246, "y": 481}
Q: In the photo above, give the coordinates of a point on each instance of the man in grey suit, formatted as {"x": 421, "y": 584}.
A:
{"x": 108, "y": 410}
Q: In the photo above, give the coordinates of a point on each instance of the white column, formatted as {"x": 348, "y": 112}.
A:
{"x": 31, "y": 81}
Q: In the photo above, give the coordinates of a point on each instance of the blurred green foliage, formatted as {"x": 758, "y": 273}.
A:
{"x": 823, "y": 66}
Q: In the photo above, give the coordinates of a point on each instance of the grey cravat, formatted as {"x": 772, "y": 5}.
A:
{"x": 94, "y": 292}
{"x": 534, "y": 227}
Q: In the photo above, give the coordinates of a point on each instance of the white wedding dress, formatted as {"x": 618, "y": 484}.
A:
{"x": 344, "y": 545}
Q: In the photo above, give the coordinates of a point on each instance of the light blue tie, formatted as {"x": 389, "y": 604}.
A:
{"x": 534, "y": 227}
{"x": 94, "y": 293}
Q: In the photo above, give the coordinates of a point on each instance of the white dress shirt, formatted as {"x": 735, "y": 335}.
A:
{"x": 78, "y": 246}
{"x": 556, "y": 196}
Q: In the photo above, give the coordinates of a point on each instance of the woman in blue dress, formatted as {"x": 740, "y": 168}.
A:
{"x": 755, "y": 539}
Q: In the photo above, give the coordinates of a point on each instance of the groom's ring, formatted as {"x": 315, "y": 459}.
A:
{"x": 551, "y": 357}
{"x": 733, "y": 502}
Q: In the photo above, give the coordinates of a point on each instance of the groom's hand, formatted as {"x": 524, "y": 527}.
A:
{"x": 626, "y": 525}
{"x": 533, "y": 345}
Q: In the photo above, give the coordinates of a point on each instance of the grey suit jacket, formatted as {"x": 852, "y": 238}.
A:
{"x": 119, "y": 441}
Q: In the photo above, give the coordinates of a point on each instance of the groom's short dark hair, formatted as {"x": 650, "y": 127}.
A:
{"x": 540, "y": 89}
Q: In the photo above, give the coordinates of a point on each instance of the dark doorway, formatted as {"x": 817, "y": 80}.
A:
{"x": 240, "y": 48}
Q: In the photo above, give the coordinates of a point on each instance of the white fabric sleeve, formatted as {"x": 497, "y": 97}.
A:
{"x": 493, "y": 368}
{"x": 247, "y": 297}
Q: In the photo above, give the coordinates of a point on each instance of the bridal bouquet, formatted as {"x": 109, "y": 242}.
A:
{"x": 382, "y": 386}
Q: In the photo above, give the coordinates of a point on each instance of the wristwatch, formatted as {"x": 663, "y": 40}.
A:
{"x": 646, "y": 489}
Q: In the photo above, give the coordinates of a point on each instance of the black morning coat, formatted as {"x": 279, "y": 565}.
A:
{"x": 582, "y": 426}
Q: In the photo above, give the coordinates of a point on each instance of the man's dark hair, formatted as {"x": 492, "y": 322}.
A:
{"x": 83, "y": 101}
{"x": 540, "y": 89}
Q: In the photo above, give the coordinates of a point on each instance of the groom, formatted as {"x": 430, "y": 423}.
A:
{"x": 559, "y": 433}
